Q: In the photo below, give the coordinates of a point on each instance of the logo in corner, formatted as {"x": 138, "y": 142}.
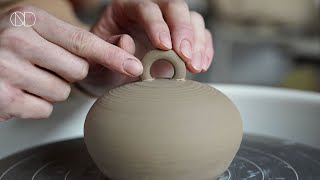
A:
{"x": 19, "y": 19}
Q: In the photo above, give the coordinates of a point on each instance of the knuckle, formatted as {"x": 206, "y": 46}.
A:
{"x": 14, "y": 37}
{"x": 56, "y": 90}
{"x": 197, "y": 20}
{"x": 144, "y": 4}
{"x": 84, "y": 71}
{"x": 80, "y": 41}
{"x": 8, "y": 33}
{"x": 81, "y": 73}
{"x": 8, "y": 96}
{"x": 174, "y": 4}
{"x": 46, "y": 112}
{"x": 3, "y": 64}
{"x": 36, "y": 112}
{"x": 63, "y": 93}
{"x": 196, "y": 15}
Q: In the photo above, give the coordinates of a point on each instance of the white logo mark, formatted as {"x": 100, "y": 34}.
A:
{"x": 19, "y": 19}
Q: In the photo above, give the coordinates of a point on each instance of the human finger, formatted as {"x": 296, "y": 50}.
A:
{"x": 23, "y": 75}
{"x": 83, "y": 43}
{"x": 16, "y": 103}
{"x": 124, "y": 41}
{"x": 32, "y": 47}
{"x": 209, "y": 49}
{"x": 199, "y": 57}
{"x": 177, "y": 16}
{"x": 148, "y": 14}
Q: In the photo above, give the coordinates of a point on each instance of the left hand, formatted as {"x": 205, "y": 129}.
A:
{"x": 138, "y": 26}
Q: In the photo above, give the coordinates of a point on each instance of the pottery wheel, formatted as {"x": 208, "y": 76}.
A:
{"x": 259, "y": 158}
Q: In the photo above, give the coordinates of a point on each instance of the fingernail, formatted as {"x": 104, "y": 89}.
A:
{"x": 196, "y": 61}
{"x": 206, "y": 67}
{"x": 165, "y": 40}
{"x": 132, "y": 67}
{"x": 210, "y": 60}
{"x": 186, "y": 49}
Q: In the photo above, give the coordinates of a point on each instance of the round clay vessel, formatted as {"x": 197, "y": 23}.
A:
{"x": 163, "y": 129}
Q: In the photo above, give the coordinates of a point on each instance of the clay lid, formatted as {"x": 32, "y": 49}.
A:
{"x": 172, "y": 129}
{"x": 151, "y": 90}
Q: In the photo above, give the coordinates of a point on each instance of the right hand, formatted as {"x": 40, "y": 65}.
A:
{"x": 36, "y": 63}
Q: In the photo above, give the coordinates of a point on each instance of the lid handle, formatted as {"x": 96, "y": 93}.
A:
{"x": 170, "y": 56}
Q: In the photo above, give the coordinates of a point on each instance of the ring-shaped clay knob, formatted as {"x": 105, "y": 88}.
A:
{"x": 170, "y": 56}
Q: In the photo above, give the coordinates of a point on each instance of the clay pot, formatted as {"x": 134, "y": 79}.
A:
{"x": 163, "y": 129}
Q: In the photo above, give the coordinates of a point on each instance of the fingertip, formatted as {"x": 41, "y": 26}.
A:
{"x": 47, "y": 109}
{"x": 191, "y": 68}
{"x": 206, "y": 63}
{"x": 186, "y": 49}
{"x": 165, "y": 40}
{"x": 133, "y": 67}
{"x": 33, "y": 107}
{"x": 126, "y": 42}
{"x": 208, "y": 34}
{"x": 209, "y": 54}
{"x": 209, "y": 44}
{"x": 209, "y": 48}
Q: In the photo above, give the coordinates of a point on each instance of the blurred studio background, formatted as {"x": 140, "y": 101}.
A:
{"x": 262, "y": 42}
{"x": 257, "y": 42}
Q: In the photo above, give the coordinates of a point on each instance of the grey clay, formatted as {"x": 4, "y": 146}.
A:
{"x": 163, "y": 129}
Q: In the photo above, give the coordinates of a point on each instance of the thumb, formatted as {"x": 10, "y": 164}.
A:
{"x": 124, "y": 41}
{"x": 105, "y": 26}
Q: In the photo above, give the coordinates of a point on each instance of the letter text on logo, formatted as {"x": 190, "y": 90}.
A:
{"x": 19, "y": 19}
